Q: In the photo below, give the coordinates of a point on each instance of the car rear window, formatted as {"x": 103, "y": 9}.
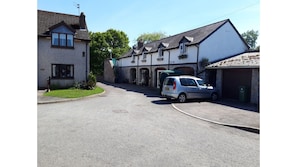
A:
{"x": 169, "y": 81}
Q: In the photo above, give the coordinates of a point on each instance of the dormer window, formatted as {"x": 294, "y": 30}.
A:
{"x": 62, "y": 35}
{"x": 143, "y": 55}
{"x": 161, "y": 46}
{"x": 182, "y": 48}
{"x": 133, "y": 58}
{"x": 182, "y": 44}
{"x": 160, "y": 52}
{"x": 62, "y": 40}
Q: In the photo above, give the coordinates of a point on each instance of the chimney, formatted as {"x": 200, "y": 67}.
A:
{"x": 140, "y": 44}
{"x": 82, "y": 21}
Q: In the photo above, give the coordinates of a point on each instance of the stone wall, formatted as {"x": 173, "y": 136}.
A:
{"x": 109, "y": 74}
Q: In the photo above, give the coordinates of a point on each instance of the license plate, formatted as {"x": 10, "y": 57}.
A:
{"x": 166, "y": 88}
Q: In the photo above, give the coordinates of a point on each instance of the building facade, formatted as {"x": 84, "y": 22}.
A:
{"x": 63, "y": 49}
{"x": 188, "y": 52}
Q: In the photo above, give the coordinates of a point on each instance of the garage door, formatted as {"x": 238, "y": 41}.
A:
{"x": 233, "y": 79}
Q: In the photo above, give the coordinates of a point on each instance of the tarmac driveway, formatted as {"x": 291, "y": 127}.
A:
{"x": 132, "y": 126}
{"x": 224, "y": 112}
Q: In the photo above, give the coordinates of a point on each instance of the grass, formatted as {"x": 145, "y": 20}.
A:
{"x": 73, "y": 93}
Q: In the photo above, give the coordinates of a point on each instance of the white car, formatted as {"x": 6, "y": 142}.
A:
{"x": 187, "y": 87}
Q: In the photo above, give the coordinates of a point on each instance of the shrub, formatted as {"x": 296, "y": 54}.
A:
{"x": 77, "y": 85}
{"x": 91, "y": 81}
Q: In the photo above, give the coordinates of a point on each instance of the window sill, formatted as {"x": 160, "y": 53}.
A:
{"x": 62, "y": 47}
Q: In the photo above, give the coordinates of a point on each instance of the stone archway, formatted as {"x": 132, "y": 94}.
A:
{"x": 132, "y": 75}
{"x": 144, "y": 77}
{"x": 157, "y": 76}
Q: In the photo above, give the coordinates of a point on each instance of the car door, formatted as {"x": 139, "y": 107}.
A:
{"x": 191, "y": 88}
{"x": 203, "y": 91}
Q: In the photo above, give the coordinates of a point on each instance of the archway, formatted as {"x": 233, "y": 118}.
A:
{"x": 186, "y": 70}
{"x": 133, "y": 75}
{"x": 144, "y": 77}
{"x": 157, "y": 76}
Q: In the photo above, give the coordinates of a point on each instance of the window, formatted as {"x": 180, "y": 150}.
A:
{"x": 143, "y": 55}
{"x": 133, "y": 58}
{"x": 160, "y": 52}
{"x": 62, "y": 71}
{"x": 187, "y": 82}
{"x": 62, "y": 40}
{"x": 55, "y": 39}
{"x": 69, "y": 40}
{"x": 169, "y": 81}
{"x": 201, "y": 82}
{"x": 182, "y": 48}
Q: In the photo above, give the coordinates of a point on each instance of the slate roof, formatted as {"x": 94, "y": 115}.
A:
{"x": 244, "y": 60}
{"x": 194, "y": 36}
{"x": 47, "y": 19}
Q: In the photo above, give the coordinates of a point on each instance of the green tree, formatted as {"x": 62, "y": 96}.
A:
{"x": 250, "y": 38}
{"x": 149, "y": 37}
{"x": 114, "y": 41}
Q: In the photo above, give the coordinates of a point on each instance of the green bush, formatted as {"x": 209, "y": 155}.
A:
{"x": 91, "y": 81}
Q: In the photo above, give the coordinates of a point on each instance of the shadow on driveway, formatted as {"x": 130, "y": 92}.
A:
{"x": 238, "y": 104}
{"x": 147, "y": 91}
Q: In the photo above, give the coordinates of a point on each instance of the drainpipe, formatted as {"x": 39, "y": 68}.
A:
{"x": 151, "y": 73}
{"x": 86, "y": 61}
{"x": 197, "y": 66}
{"x": 137, "y": 72}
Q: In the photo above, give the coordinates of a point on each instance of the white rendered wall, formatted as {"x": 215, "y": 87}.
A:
{"x": 223, "y": 43}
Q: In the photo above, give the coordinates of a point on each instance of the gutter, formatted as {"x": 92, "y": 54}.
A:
{"x": 231, "y": 67}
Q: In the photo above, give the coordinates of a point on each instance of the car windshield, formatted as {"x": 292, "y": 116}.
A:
{"x": 201, "y": 82}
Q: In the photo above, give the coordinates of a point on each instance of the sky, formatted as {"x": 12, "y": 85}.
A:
{"x": 135, "y": 17}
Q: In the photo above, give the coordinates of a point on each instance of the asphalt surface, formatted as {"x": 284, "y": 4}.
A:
{"x": 224, "y": 112}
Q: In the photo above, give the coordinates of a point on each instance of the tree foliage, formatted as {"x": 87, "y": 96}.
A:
{"x": 101, "y": 43}
{"x": 250, "y": 38}
{"x": 149, "y": 37}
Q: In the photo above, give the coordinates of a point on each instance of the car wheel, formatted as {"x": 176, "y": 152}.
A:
{"x": 214, "y": 97}
{"x": 182, "y": 98}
